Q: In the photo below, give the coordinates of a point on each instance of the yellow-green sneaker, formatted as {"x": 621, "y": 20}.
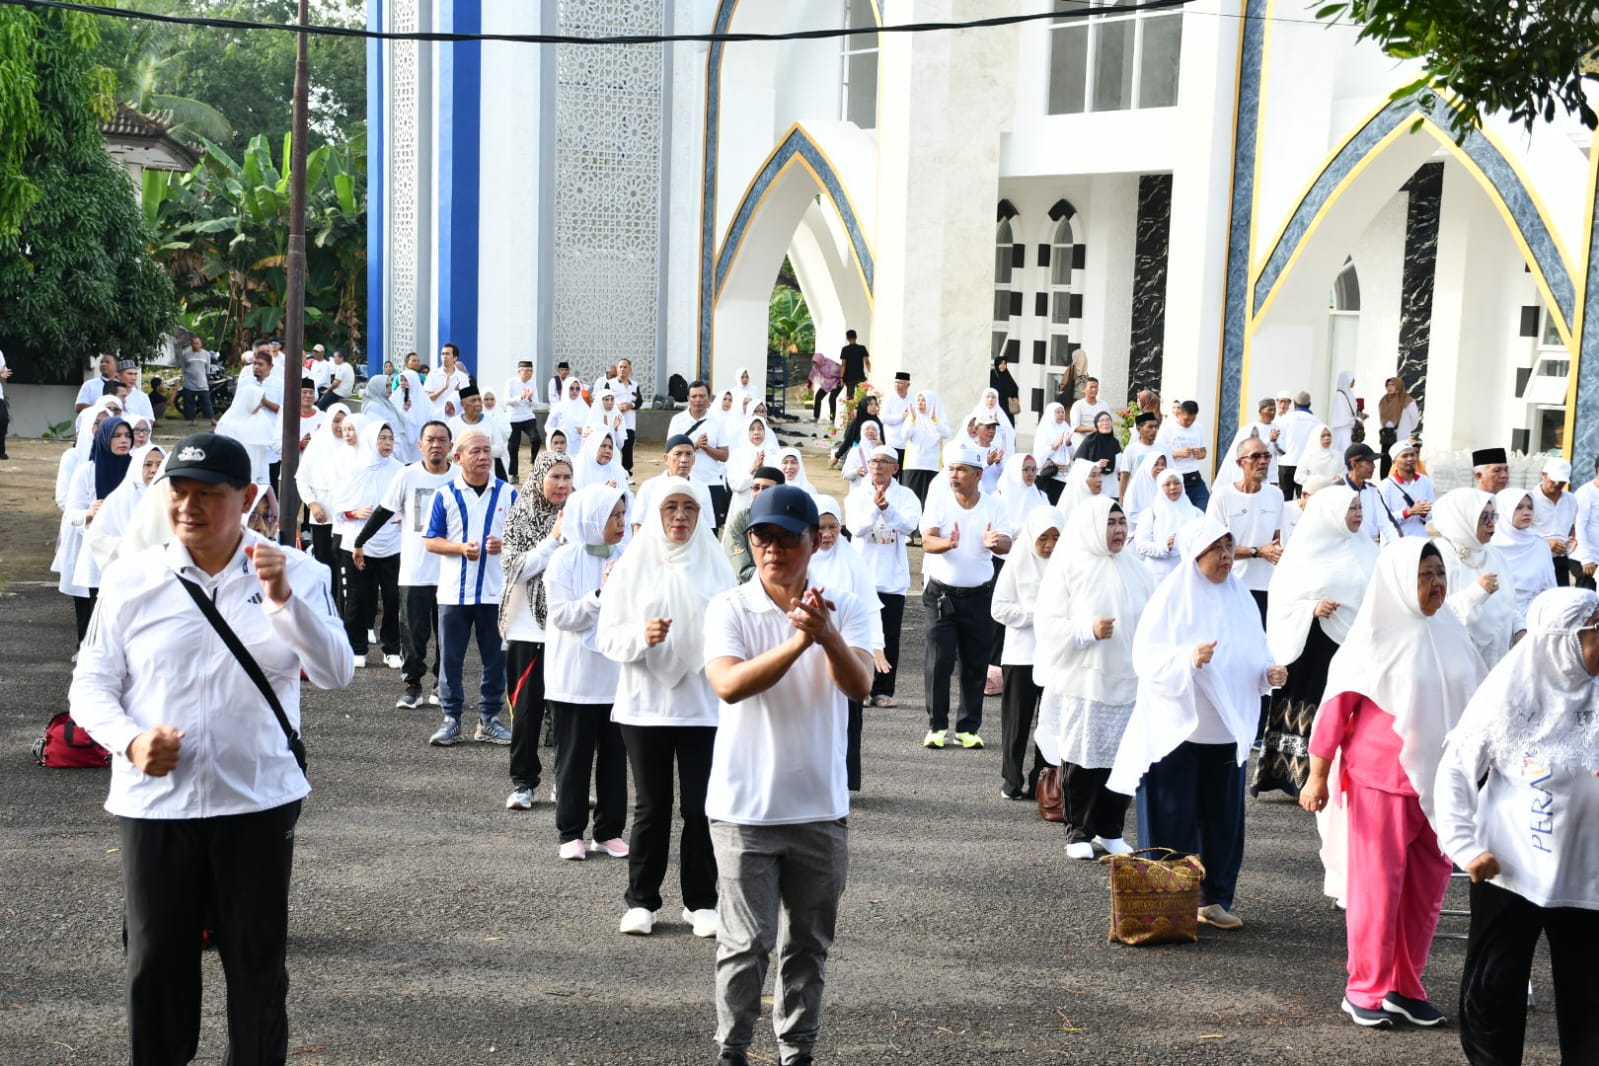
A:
{"x": 969, "y": 740}
{"x": 935, "y": 738}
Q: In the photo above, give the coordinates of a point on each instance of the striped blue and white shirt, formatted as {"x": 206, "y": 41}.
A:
{"x": 463, "y": 514}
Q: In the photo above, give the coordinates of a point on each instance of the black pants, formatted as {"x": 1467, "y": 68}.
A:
{"x": 627, "y": 451}
{"x": 5, "y": 427}
{"x": 83, "y": 610}
{"x": 524, "y": 687}
{"x": 195, "y": 402}
{"x": 652, "y": 752}
{"x": 1017, "y": 710}
{"x": 177, "y": 875}
{"x": 1387, "y": 436}
{"x": 893, "y": 622}
{"x": 963, "y": 630}
{"x": 363, "y": 588}
{"x": 1493, "y": 988}
{"x": 527, "y": 428}
{"x": 1051, "y": 488}
{"x": 1285, "y": 481}
{"x": 721, "y": 499}
{"x": 328, "y": 399}
{"x": 852, "y": 745}
{"x": 588, "y": 747}
{"x": 832, "y": 398}
{"x": 419, "y": 623}
{"x": 1092, "y": 810}
{"x": 324, "y": 551}
{"x": 273, "y": 470}
{"x": 919, "y": 481}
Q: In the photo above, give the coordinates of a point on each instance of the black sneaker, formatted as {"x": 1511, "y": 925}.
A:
{"x": 1011, "y": 792}
{"x": 1367, "y": 1016}
{"x": 1415, "y": 1011}
{"x": 412, "y": 698}
{"x": 732, "y": 1058}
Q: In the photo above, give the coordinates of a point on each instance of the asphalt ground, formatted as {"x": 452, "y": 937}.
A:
{"x": 430, "y": 926}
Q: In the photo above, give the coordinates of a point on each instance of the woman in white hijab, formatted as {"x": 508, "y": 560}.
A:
{"x": 571, "y": 415}
{"x": 604, "y": 417}
{"x": 1091, "y": 599}
{"x": 752, "y": 445}
{"x": 1345, "y": 413}
{"x": 854, "y": 465}
{"x": 988, "y": 403}
{"x": 1315, "y": 591}
{"x": 1160, "y": 528}
{"x": 1482, "y": 587}
{"x": 1141, "y": 487}
{"x": 1524, "y": 550}
{"x": 1084, "y": 482}
{"x": 377, "y": 403}
{"x": 747, "y": 393}
{"x": 927, "y": 427}
{"x": 651, "y": 623}
{"x": 600, "y": 463}
{"x": 792, "y": 464}
{"x": 371, "y": 572}
{"x": 580, "y": 682}
{"x": 318, "y": 476}
{"x": 1395, "y": 688}
{"x": 104, "y": 537}
{"x": 1052, "y": 444}
{"x": 1018, "y": 489}
{"x": 1202, "y": 664}
{"x": 1321, "y": 457}
{"x": 1529, "y": 836}
{"x": 1014, "y": 602}
{"x": 835, "y": 565}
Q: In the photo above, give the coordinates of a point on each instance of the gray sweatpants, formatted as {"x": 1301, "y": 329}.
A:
{"x": 776, "y": 879}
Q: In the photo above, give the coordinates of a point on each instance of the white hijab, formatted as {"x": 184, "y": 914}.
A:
{"x": 1524, "y": 551}
{"x": 1421, "y": 670}
{"x": 743, "y": 452}
{"x": 1083, "y": 582}
{"x": 1454, "y": 520}
{"x": 1077, "y": 488}
{"x": 800, "y": 479}
{"x": 590, "y": 471}
{"x": 935, "y": 410}
{"x": 367, "y": 478}
{"x": 659, "y": 579}
{"x": 841, "y": 567}
{"x": 1141, "y": 484}
{"x": 1316, "y": 460}
{"x": 1188, "y": 609}
{"x": 988, "y": 404}
{"x": 149, "y": 525}
{"x": 1323, "y": 561}
{"x": 1049, "y": 432}
{"x": 1017, "y": 497}
{"x": 1171, "y": 516}
{"x": 1540, "y": 703}
{"x": 104, "y": 535}
{"x": 322, "y": 458}
{"x": 1023, "y": 575}
{"x": 573, "y": 411}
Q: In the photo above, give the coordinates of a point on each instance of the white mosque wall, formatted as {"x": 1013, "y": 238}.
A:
{"x": 686, "y": 159}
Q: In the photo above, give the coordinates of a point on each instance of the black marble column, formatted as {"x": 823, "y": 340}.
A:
{"x": 1426, "y": 188}
{"x": 1152, "y": 244}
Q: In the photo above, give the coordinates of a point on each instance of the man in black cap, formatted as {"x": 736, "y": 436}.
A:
{"x": 784, "y": 658}
{"x": 557, "y": 388}
{"x": 520, "y": 396}
{"x": 677, "y": 460}
{"x": 893, "y": 409}
{"x": 736, "y": 537}
{"x": 1360, "y": 466}
{"x": 207, "y": 777}
{"x": 1490, "y": 469}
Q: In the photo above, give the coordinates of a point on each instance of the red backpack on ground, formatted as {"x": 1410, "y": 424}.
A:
{"x": 65, "y": 746}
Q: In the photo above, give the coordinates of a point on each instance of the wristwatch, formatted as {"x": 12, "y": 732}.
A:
{"x": 1254, "y": 553}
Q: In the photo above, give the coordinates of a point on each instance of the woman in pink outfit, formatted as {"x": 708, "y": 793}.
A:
{"x": 1395, "y": 688}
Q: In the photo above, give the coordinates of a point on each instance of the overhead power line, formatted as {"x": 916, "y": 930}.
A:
{"x": 567, "y": 38}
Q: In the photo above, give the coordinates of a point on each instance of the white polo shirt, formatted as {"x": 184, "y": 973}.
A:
{"x": 518, "y": 408}
{"x": 1251, "y": 517}
{"x": 462, "y": 514}
{"x": 969, "y": 564}
{"x": 779, "y": 755}
{"x": 707, "y": 471}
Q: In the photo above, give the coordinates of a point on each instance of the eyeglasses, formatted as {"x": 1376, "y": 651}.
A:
{"x": 1259, "y": 457}
{"x": 774, "y": 536}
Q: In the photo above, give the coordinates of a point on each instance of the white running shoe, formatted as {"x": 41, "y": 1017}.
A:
{"x": 637, "y": 922}
{"x": 706, "y": 924}
{"x": 1080, "y": 849}
{"x": 1114, "y": 845}
{"x": 520, "y": 799}
{"x": 393, "y": 662}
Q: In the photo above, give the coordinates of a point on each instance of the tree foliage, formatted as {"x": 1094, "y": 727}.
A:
{"x": 225, "y": 231}
{"x": 1521, "y": 57}
{"x": 76, "y": 276}
{"x": 788, "y": 322}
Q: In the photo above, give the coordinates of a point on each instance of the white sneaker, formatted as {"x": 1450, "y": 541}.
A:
{"x": 1114, "y": 845}
{"x": 371, "y": 636}
{"x": 393, "y": 662}
{"x": 1081, "y": 849}
{"x": 706, "y": 924}
{"x": 637, "y": 922}
{"x": 360, "y": 662}
{"x": 520, "y": 799}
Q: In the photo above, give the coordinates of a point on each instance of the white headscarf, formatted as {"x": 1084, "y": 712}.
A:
{"x": 104, "y": 535}
{"x": 1024, "y": 569}
{"x": 659, "y": 579}
{"x": 935, "y": 409}
{"x": 1454, "y": 519}
{"x": 367, "y": 478}
{"x": 1324, "y": 561}
{"x": 1141, "y": 484}
{"x": 1017, "y": 497}
{"x": 1085, "y": 581}
{"x": 800, "y": 480}
{"x": 611, "y": 421}
{"x": 1171, "y": 516}
{"x": 377, "y": 403}
{"x": 322, "y": 459}
{"x": 1048, "y": 433}
{"x": 1525, "y": 551}
{"x": 841, "y": 567}
{"x": 149, "y": 525}
{"x": 572, "y": 413}
{"x": 1077, "y": 488}
{"x": 1421, "y": 670}
{"x": 742, "y": 453}
{"x": 1186, "y": 610}
{"x": 589, "y": 469}
{"x": 1316, "y": 460}
{"x": 1540, "y": 703}
{"x": 86, "y": 423}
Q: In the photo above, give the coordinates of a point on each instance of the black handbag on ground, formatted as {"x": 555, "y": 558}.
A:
{"x": 251, "y": 667}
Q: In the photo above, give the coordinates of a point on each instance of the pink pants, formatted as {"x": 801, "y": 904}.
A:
{"x": 1397, "y": 879}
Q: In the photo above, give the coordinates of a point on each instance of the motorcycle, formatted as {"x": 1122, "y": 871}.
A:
{"x": 222, "y": 385}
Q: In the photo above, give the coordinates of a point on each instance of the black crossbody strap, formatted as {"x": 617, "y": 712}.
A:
{"x": 251, "y": 667}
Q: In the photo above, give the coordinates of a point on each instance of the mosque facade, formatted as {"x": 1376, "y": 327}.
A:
{"x": 1219, "y": 200}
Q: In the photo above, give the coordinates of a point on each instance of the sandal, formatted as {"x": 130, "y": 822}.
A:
{"x": 884, "y": 701}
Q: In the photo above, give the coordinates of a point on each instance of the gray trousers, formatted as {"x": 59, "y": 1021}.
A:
{"x": 778, "y": 885}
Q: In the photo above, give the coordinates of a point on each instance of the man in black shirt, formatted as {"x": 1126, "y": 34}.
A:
{"x": 857, "y": 363}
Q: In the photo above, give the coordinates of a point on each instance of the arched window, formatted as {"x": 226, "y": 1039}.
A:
{"x": 1060, "y": 293}
{"x": 858, "y": 100}
{"x": 1114, "y": 59}
{"x": 1345, "y": 294}
{"x": 1004, "y": 250}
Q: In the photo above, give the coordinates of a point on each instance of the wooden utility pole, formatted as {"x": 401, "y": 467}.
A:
{"x": 294, "y": 332}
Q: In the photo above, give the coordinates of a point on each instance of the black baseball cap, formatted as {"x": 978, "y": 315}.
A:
{"x": 787, "y": 507}
{"x": 209, "y": 457}
{"x": 1358, "y": 452}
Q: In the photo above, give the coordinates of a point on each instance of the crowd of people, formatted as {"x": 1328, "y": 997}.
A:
{"x": 714, "y": 634}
